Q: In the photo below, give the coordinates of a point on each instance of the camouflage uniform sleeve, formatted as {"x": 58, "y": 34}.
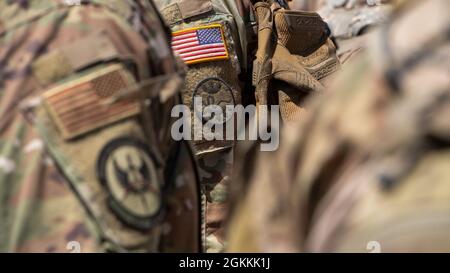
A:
{"x": 32, "y": 189}
{"x": 58, "y": 141}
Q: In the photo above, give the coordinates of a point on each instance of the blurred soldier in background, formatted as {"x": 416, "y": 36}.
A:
{"x": 349, "y": 20}
{"x": 368, "y": 171}
{"x": 306, "y": 5}
{"x": 83, "y": 164}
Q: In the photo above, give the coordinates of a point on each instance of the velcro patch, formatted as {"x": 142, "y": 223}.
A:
{"x": 172, "y": 14}
{"x": 200, "y": 44}
{"x": 79, "y": 107}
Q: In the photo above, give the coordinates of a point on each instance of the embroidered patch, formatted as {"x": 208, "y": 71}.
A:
{"x": 200, "y": 44}
{"x": 78, "y": 107}
{"x": 215, "y": 91}
{"x": 126, "y": 168}
{"x": 172, "y": 14}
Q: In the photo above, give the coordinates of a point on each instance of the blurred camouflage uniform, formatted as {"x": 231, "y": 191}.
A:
{"x": 368, "y": 171}
{"x": 83, "y": 160}
{"x": 350, "y": 20}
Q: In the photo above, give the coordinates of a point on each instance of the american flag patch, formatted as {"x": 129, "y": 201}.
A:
{"x": 78, "y": 107}
{"x": 200, "y": 44}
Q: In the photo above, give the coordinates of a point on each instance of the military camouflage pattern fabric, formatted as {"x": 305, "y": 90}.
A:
{"x": 218, "y": 82}
{"x": 306, "y": 5}
{"x": 350, "y": 20}
{"x": 368, "y": 171}
{"x": 83, "y": 165}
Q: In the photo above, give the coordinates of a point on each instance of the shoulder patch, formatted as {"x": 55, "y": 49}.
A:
{"x": 100, "y": 168}
{"x": 201, "y": 44}
{"x": 126, "y": 168}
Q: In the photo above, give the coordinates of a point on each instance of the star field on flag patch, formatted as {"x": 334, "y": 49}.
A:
{"x": 200, "y": 44}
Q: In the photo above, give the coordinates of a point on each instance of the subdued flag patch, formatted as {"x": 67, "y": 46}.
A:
{"x": 200, "y": 44}
{"x": 78, "y": 107}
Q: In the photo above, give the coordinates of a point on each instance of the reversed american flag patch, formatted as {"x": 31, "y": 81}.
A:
{"x": 200, "y": 44}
